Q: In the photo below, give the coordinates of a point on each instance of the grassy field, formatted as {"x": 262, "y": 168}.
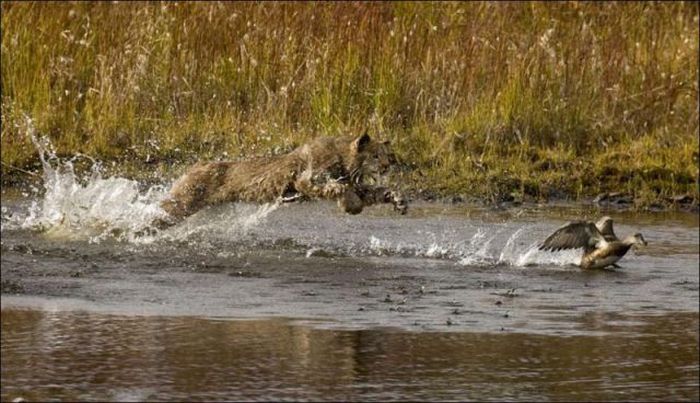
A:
{"x": 533, "y": 100}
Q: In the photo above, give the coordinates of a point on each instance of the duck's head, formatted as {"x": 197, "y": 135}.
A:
{"x": 639, "y": 240}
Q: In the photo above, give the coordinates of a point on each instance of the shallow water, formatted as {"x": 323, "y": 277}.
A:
{"x": 87, "y": 356}
{"x": 302, "y": 302}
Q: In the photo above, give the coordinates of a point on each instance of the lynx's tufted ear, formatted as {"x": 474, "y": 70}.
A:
{"x": 360, "y": 143}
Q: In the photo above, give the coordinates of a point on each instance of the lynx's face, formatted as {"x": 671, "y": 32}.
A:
{"x": 370, "y": 158}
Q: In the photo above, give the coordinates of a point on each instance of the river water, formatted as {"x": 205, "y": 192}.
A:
{"x": 302, "y": 302}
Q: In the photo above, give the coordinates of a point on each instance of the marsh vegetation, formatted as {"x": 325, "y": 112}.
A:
{"x": 493, "y": 100}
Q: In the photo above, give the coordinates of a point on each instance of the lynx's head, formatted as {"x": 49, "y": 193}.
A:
{"x": 368, "y": 159}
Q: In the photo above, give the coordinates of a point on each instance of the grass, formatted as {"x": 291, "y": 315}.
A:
{"x": 536, "y": 100}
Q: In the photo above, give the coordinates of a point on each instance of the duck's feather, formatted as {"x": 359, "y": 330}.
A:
{"x": 605, "y": 226}
{"x": 576, "y": 234}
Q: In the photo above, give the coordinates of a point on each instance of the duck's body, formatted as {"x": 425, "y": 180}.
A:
{"x": 601, "y": 246}
{"x": 607, "y": 255}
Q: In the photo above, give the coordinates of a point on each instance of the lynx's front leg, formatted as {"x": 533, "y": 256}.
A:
{"x": 398, "y": 200}
{"x": 355, "y": 199}
{"x": 394, "y": 197}
{"x": 319, "y": 188}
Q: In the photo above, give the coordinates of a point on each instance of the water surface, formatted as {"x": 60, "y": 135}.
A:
{"x": 88, "y": 356}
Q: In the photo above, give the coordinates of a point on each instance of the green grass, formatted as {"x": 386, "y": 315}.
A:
{"x": 483, "y": 99}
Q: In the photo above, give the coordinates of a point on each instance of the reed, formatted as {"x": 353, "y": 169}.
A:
{"x": 484, "y": 99}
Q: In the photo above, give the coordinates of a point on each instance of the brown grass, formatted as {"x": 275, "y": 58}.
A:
{"x": 485, "y": 99}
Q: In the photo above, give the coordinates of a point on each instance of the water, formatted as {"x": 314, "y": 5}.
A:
{"x": 302, "y": 302}
{"x": 88, "y": 356}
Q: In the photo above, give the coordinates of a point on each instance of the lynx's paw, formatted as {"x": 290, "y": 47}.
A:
{"x": 398, "y": 200}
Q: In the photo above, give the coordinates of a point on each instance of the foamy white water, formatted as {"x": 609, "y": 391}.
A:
{"x": 480, "y": 249}
{"x": 231, "y": 222}
{"x": 90, "y": 206}
{"x": 96, "y": 208}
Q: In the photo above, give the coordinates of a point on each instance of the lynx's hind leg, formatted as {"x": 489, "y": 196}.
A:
{"x": 350, "y": 202}
{"x": 190, "y": 192}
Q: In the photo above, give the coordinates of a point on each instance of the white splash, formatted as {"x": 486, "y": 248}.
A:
{"x": 382, "y": 247}
{"x": 478, "y": 250}
{"x": 90, "y": 207}
{"x": 474, "y": 251}
{"x": 534, "y": 256}
{"x": 228, "y": 221}
{"x": 435, "y": 251}
{"x": 95, "y": 208}
{"x": 482, "y": 248}
{"x": 507, "y": 254}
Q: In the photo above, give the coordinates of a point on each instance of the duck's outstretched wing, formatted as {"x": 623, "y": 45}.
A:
{"x": 576, "y": 234}
{"x": 605, "y": 226}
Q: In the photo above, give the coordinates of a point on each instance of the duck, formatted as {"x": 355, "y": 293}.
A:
{"x": 601, "y": 246}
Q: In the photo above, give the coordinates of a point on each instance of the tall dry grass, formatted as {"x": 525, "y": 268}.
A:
{"x": 479, "y": 98}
